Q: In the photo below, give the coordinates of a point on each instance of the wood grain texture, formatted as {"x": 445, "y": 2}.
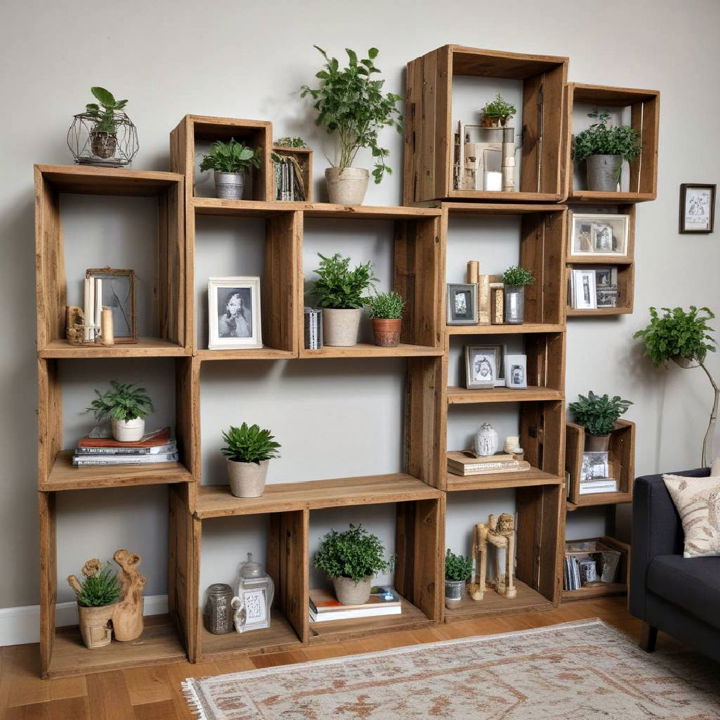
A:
{"x": 496, "y": 481}
{"x": 145, "y": 347}
{"x": 366, "y": 350}
{"x": 458, "y": 395}
{"x": 527, "y": 600}
{"x": 48, "y": 578}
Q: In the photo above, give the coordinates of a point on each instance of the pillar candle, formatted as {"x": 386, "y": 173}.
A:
{"x": 106, "y": 325}
{"x": 98, "y": 307}
{"x": 473, "y": 267}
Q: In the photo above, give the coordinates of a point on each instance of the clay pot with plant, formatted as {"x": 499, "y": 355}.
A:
{"x": 340, "y": 292}
{"x": 515, "y": 279}
{"x": 496, "y": 113}
{"x": 351, "y": 559}
{"x": 126, "y": 405}
{"x": 104, "y": 113}
{"x": 604, "y": 148}
{"x": 386, "y": 311}
{"x": 248, "y": 450}
{"x": 351, "y": 105}
{"x": 231, "y": 161}
{"x": 458, "y": 570}
{"x": 598, "y": 415}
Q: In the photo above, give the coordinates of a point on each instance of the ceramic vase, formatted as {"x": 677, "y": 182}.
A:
{"x": 486, "y": 440}
{"x": 341, "y": 326}
{"x": 128, "y": 430}
{"x": 346, "y": 186}
{"x": 596, "y": 443}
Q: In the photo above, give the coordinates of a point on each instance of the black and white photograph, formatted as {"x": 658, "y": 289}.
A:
{"x": 482, "y": 366}
{"x": 462, "y": 304}
{"x": 234, "y": 313}
{"x": 118, "y": 294}
{"x": 606, "y": 287}
{"x": 595, "y": 466}
{"x": 697, "y": 208}
{"x": 594, "y": 234}
{"x": 515, "y": 371}
{"x": 583, "y": 293}
{"x": 607, "y": 297}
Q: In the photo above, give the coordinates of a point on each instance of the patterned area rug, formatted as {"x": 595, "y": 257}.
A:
{"x": 575, "y": 671}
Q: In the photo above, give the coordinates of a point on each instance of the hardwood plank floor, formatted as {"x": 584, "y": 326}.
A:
{"x": 154, "y": 692}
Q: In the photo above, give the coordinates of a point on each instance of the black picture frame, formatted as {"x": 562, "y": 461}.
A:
{"x": 685, "y": 190}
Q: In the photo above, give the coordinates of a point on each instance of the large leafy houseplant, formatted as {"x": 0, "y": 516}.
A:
{"x": 355, "y": 554}
{"x": 598, "y": 413}
{"x": 248, "y": 450}
{"x": 603, "y": 139}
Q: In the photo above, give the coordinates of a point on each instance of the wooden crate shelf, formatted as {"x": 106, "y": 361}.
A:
{"x": 145, "y": 347}
{"x": 497, "y": 481}
{"x": 304, "y": 159}
{"x": 616, "y": 498}
{"x": 527, "y": 600}
{"x": 461, "y": 396}
{"x": 525, "y": 328}
{"x": 264, "y": 353}
{"x": 366, "y": 350}
{"x": 620, "y": 587}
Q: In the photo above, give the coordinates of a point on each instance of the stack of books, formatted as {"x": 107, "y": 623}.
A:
{"x": 324, "y": 606}
{"x": 462, "y": 463}
{"x": 313, "y": 328}
{"x": 156, "y": 447}
{"x": 598, "y": 485}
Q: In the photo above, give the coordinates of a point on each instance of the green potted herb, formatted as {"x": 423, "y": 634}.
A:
{"x": 97, "y": 596}
{"x": 386, "y": 311}
{"x": 458, "y": 570}
{"x": 105, "y": 115}
{"x": 350, "y": 103}
{"x": 497, "y": 112}
{"x": 248, "y": 450}
{"x": 127, "y": 406}
{"x": 514, "y": 280}
{"x": 340, "y": 290}
{"x": 351, "y": 559}
{"x": 598, "y": 414}
{"x": 230, "y": 160}
{"x": 604, "y": 148}
{"x": 683, "y": 336}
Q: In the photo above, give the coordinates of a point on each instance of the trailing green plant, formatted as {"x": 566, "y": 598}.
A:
{"x": 99, "y": 587}
{"x": 517, "y": 276}
{"x": 386, "y": 306}
{"x": 457, "y": 567}
{"x": 124, "y": 401}
{"x": 291, "y": 142}
{"x": 499, "y": 108}
{"x": 103, "y": 111}
{"x": 352, "y": 104}
{"x": 338, "y": 286}
{"x": 230, "y": 157}
{"x": 356, "y": 554}
{"x": 249, "y": 444}
{"x": 598, "y": 413}
{"x": 601, "y": 139}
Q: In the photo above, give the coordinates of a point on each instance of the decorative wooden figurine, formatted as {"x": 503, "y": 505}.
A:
{"x": 498, "y": 532}
{"x": 128, "y": 616}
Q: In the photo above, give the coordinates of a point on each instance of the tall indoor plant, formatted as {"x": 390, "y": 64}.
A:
{"x": 458, "y": 570}
{"x": 683, "y": 336}
{"x": 598, "y": 415}
{"x": 230, "y": 160}
{"x": 514, "y": 280}
{"x": 248, "y": 450}
{"x": 386, "y": 311}
{"x": 127, "y": 405}
{"x": 350, "y": 103}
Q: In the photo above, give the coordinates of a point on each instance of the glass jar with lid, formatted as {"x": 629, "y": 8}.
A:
{"x": 255, "y": 591}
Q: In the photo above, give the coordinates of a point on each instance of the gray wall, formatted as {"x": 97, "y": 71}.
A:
{"x": 248, "y": 60}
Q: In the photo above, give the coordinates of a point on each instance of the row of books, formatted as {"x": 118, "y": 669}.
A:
{"x": 324, "y": 606}
{"x": 289, "y": 185}
{"x": 155, "y": 447}
{"x": 464, "y": 463}
{"x": 589, "y": 563}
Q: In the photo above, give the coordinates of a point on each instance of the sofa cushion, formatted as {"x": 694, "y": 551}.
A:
{"x": 691, "y": 583}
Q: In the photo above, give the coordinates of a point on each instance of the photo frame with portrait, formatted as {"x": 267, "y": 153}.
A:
{"x": 483, "y": 366}
{"x": 462, "y": 304}
{"x": 697, "y": 208}
{"x": 515, "y": 371}
{"x": 234, "y": 313}
{"x": 596, "y": 234}
{"x": 583, "y": 291}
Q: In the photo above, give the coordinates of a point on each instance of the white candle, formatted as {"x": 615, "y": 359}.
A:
{"x": 90, "y": 312}
{"x": 86, "y": 309}
{"x": 98, "y": 307}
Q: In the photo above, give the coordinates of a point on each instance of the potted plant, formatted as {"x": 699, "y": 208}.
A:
{"x": 497, "y": 112}
{"x": 351, "y": 559}
{"x": 248, "y": 450}
{"x": 230, "y": 161}
{"x": 597, "y": 414}
{"x": 104, "y": 113}
{"x": 458, "y": 570}
{"x": 97, "y": 597}
{"x": 514, "y": 280}
{"x": 386, "y": 310}
{"x": 127, "y": 406}
{"x": 350, "y": 103}
{"x": 683, "y": 336}
{"x": 339, "y": 291}
{"x": 604, "y": 148}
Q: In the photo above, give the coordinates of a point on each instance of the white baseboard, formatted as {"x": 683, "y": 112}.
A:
{"x": 20, "y": 625}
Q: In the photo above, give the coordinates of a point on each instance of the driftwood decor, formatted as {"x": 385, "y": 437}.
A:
{"x": 498, "y": 532}
{"x": 128, "y": 616}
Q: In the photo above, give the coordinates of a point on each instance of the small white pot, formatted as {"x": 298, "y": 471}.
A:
{"x": 349, "y": 592}
{"x": 229, "y": 186}
{"x": 247, "y": 479}
{"x": 347, "y": 186}
{"x": 128, "y": 430}
{"x": 341, "y": 327}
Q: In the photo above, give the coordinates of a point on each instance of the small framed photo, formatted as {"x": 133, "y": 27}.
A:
{"x": 256, "y": 609}
{"x": 595, "y": 466}
{"x": 594, "y": 234}
{"x": 697, "y": 208}
{"x": 234, "y": 313}
{"x": 462, "y": 304}
{"x": 583, "y": 292}
{"x": 482, "y": 366}
{"x": 516, "y": 371}
{"x": 118, "y": 294}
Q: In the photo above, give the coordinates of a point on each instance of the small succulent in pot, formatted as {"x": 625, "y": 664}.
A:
{"x": 386, "y": 311}
{"x": 515, "y": 279}
{"x": 126, "y": 405}
{"x": 458, "y": 570}
{"x": 497, "y": 112}
{"x": 230, "y": 160}
{"x": 248, "y": 449}
{"x": 598, "y": 414}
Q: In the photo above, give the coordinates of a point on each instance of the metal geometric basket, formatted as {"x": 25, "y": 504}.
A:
{"x": 109, "y": 149}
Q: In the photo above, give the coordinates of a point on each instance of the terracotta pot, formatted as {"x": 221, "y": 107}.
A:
{"x": 128, "y": 430}
{"x": 349, "y": 592}
{"x": 103, "y": 144}
{"x": 229, "y": 186}
{"x": 454, "y": 593}
{"x": 95, "y": 625}
{"x": 387, "y": 331}
{"x": 341, "y": 327}
{"x": 346, "y": 186}
{"x": 603, "y": 172}
{"x": 596, "y": 443}
{"x": 247, "y": 479}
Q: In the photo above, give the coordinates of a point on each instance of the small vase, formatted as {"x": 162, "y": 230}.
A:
{"x": 229, "y": 186}
{"x": 454, "y": 593}
{"x": 128, "y": 430}
{"x": 596, "y": 443}
{"x": 514, "y": 304}
{"x": 349, "y": 592}
{"x": 247, "y": 479}
{"x": 387, "y": 331}
{"x": 603, "y": 172}
{"x": 95, "y": 625}
{"x": 346, "y": 186}
{"x": 486, "y": 440}
{"x": 341, "y": 326}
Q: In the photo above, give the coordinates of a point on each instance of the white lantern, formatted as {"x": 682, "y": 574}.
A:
{"x": 255, "y": 591}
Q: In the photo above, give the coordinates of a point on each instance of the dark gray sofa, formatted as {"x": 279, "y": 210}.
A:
{"x": 670, "y": 593}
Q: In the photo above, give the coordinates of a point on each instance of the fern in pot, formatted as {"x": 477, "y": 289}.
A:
{"x": 351, "y": 559}
{"x": 126, "y": 405}
{"x": 514, "y": 281}
{"x": 458, "y": 570}
{"x": 231, "y": 161}
{"x": 248, "y": 450}
{"x": 386, "y": 311}
{"x": 598, "y": 414}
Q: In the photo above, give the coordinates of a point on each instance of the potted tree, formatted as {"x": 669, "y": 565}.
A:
{"x": 497, "y": 112}
{"x": 683, "y": 336}
{"x": 597, "y": 414}
{"x": 350, "y": 103}
{"x": 514, "y": 280}
{"x": 604, "y": 148}
{"x": 104, "y": 113}
{"x": 386, "y": 310}
{"x": 97, "y": 597}
{"x": 458, "y": 570}
{"x": 127, "y": 406}
{"x": 230, "y": 161}
{"x": 351, "y": 559}
{"x": 248, "y": 450}
{"x": 340, "y": 292}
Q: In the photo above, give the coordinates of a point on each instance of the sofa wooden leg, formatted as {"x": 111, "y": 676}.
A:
{"x": 648, "y": 637}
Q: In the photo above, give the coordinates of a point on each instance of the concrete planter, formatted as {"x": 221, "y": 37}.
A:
{"x": 603, "y": 172}
{"x": 454, "y": 593}
{"x": 341, "y": 327}
{"x": 597, "y": 443}
{"x": 247, "y": 479}
{"x": 95, "y": 625}
{"x": 349, "y": 592}
{"x": 387, "y": 331}
{"x": 347, "y": 186}
{"x": 128, "y": 430}
{"x": 514, "y": 304}
{"x": 229, "y": 186}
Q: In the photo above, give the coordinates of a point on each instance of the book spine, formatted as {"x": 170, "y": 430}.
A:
{"x": 124, "y": 459}
{"x": 98, "y": 450}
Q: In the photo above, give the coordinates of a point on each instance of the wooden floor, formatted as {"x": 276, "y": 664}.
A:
{"x": 153, "y": 693}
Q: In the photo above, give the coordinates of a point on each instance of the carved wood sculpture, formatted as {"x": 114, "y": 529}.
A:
{"x": 128, "y": 616}
{"x": 500, "y": 534}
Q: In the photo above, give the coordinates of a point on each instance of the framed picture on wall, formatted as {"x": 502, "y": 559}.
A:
{"x": 462, "y": 304}
{"x": 234, "y": 313}
{"x": 595, "y": 234}
{"x": 697, "y": 208}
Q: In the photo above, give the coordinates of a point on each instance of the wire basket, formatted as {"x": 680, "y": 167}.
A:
{"x": 108, "y": 149}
